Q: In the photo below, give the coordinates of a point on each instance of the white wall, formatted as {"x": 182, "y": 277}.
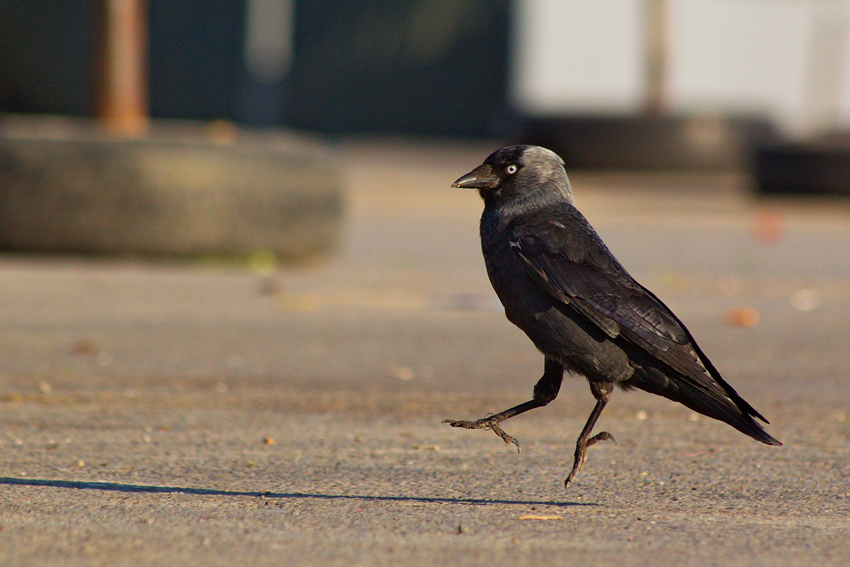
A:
{"x": 786, "y": 59}
{"x": 578, "y": 55}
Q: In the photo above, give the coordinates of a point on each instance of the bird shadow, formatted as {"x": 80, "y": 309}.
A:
{"x": 152, "y": 489}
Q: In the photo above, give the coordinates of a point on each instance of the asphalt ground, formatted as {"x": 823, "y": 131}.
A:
{"x": 216, "y": 412}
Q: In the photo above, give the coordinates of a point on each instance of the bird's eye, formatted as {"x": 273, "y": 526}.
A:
{"x": 511, "y": 169}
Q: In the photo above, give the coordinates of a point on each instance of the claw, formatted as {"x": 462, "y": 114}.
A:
{"x": 581, "y": 453}
{"x": 601, "y": 436}
{"x": 505, "y": 437}
{"x": 486, "y": 423}
{"x": 576, "y": 467}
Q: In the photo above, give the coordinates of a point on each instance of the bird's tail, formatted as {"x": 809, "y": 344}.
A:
{"x": 730, "y": 409}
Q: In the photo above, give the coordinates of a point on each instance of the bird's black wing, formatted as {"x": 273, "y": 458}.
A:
{"x": 563, "y": 253}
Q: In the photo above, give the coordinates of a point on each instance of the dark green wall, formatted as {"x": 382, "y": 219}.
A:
{"x": 406, "y": 66}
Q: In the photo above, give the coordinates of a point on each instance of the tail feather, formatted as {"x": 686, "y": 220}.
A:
{"x": 732, "y": 410}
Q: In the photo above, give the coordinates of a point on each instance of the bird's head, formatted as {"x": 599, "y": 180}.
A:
{"x": 520, "y": 176}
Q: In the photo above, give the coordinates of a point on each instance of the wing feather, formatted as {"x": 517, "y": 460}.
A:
{"x": 568, "y": 259}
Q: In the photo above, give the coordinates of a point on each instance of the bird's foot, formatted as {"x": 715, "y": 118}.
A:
{"x": 485, "y": 423}
{"x": 581, "y": 452}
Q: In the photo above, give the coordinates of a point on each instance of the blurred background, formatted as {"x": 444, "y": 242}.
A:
{"x": 622, "y": 84}
{"x": 459, "y": 68}
{"x": 282, "y": 131}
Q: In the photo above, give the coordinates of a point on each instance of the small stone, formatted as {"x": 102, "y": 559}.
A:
{"x": 805, "y": 299}
{"x": 400, "y": 373}
{"x": 83, "y": 347}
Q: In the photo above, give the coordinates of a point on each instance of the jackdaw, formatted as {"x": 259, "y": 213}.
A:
{"x": 559, "y": 283}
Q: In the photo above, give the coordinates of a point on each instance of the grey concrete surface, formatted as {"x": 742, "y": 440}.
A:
{"x": 227, "y": 414}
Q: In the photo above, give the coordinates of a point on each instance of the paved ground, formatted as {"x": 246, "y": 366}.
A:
{"x": 220, "y": 414}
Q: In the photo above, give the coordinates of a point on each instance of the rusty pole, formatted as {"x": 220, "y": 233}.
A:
{"x": 121, "y": 102}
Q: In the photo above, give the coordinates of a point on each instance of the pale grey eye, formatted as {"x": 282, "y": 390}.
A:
{"x": 511, "y": 169}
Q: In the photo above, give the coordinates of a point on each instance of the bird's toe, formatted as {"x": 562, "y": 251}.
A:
{"x": 601, "y": 436}
{"x": 505, "y": 437}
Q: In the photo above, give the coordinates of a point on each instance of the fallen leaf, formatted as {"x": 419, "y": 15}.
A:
{"x": 768, "y": 228}
{"x": 743, "y": 317}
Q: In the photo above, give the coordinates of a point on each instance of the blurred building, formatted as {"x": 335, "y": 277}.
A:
{"x": 788, "y": 61}
{"x": 460, "y": 67}
{"x": 416, "y": 66}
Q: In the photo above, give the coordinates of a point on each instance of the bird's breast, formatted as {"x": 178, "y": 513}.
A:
{"x": 551, "y": 324}
{"x": 523, "y": 299}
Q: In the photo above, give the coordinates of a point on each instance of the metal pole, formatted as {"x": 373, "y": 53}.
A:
{"x": 122, "y": 82}
{"x": 656, "y": 56}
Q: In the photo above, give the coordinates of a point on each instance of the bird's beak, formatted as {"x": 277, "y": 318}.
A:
{"x": 482, "y": 177}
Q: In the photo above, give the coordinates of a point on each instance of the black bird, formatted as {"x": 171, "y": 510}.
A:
{"x": 579, "y": 306}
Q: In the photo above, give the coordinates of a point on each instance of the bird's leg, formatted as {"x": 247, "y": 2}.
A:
{"x": 492, "y": 422}
{"x": 545, "y": 391}
{"x": 602, "y": 392}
